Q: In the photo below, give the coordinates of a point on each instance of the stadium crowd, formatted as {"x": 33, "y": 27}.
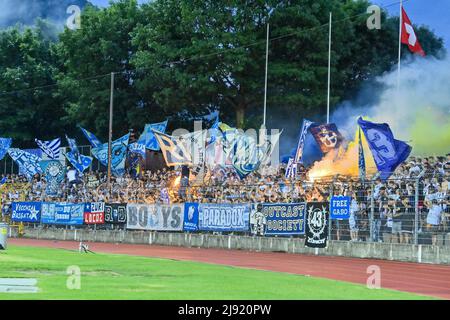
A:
{"x": 421, "y": 181}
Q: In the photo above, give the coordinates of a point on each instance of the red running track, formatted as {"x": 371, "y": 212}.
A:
{"x": 425, "y": 279}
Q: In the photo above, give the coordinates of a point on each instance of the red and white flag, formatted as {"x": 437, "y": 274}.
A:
{"x": 409, "y": 35}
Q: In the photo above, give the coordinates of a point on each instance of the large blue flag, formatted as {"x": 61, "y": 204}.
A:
{"x": 5, "y": 144}
{"x": 93, "y": 140}
{"x": 28, "y": 163}
{"x": 301, "y": 141}
{"x": 148, "y": 138}
{"x": 118, "y": 154}
{"x": 387, "y": 152}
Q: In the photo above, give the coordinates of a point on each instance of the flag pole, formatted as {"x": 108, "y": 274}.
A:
{"x": 265, "y": 80}
{"x": 329, "y": 69}
{"x": 111, "y": 106}
{"x": 399, "y": 44}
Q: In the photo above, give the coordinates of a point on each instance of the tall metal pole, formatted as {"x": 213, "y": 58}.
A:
{"x": 329, "y": 69}
{"x": 111, "y": 106}
{"x": 265, "y": 81}
{"x": 399, "y": 44}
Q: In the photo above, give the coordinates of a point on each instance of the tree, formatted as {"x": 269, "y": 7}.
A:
{"x": 27, "y": 61}
{"x": 88, "y": 56}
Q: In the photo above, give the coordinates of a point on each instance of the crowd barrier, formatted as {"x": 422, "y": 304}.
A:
{"x": 266, "y": 219}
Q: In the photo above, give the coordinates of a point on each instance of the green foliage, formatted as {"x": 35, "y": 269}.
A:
{"x": 27, "y": 61}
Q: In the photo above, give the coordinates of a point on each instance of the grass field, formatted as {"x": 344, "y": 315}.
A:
{"x": 108, "y": 276}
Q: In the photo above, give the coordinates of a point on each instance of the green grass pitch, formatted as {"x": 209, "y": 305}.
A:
{"x": 111, "y": 276}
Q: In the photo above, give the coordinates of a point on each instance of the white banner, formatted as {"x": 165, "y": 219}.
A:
{"x": 157, "y": 217}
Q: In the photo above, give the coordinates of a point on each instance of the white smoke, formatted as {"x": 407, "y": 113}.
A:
{"x": 416, "y": 105}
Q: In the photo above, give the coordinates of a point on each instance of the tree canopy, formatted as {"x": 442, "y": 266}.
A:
{"x": 185, "y": 58}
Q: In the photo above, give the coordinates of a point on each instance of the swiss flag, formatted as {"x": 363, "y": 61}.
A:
{"x": 409, "y": 36}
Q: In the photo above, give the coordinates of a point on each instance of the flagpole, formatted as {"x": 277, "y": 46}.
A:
{"x": 265, "y": 80}
{"x": 399, "y": 44}
{"x": 329, "y": 69}
{"x": 111, "y": 106}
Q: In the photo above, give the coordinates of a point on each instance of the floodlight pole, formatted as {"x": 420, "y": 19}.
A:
{"x": 111, "y": 107}
{"x": 399, "y": 44}
{"x": 265, "y": 80}
{"x": 329, "y": 69}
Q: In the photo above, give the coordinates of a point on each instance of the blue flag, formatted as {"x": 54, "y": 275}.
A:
{"x": 137, "y": 148}
{"x": 93, "y": 140}
{"x": 148, "y": 138}
{"x": 301, "y": 141}
{"x": 388, "y": 153}
{"x": 54, "y": 172}
{"x": 327, "y": 136}
{"x": 361, "y": 159}
{"x": 214, "y": 131}
{"x": 118, "y": 154}
{"x": 79, "y": 162}
{"x": 28, "y": 163}
{"x": 5, "y": 144}
{"x": 50, "y": 148}
{"x": 73, "y": 146}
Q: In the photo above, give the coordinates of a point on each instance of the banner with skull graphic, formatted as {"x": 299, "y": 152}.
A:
{"x": 327, "y": 136}
{"x": 316, "y": 235}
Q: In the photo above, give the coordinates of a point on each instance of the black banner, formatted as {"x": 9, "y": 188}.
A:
{"x": 317, "y": 217}
{"x": 115, "y": 212}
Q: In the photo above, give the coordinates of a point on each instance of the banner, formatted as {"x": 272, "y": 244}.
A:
{"x": 115, "y": 213}
{"x": 301, "y": 140}
{"x": 94, "y": 213}
{"x": 190, "y": 217}
{"x": 178, "y": 150}
{"x": 327, "y": 136}
{"x": 137, "y": 148}
{"x": 5, "y": 144}
{"x": 26, "y": 212}
{"x": 284, "y": 219}
{"x": 147, "y": 137}
{"x": 54, "y": 172}
{"x": 50, "y": 148}
{"x": 158, "y": 217}
{"x": 93, "y": 140}
{"x": 316, "y": 225}
{"x": 340, "y": 207}
{"x": 388, "y": 153}
{"x": 361, "y": 159}
{"x": 291, "y": 169}
{"x": 62, "y": 213}
{"x": 223, "y": 217}
{"x": 28, "y": 163}
{"x": 118, "y": 154}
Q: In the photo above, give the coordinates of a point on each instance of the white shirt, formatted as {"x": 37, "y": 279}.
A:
{"x": 434, "y": 215}
{"x": 71, "y": 175}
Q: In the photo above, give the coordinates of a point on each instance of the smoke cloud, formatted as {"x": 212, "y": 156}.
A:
{"x": 418, "y": 110}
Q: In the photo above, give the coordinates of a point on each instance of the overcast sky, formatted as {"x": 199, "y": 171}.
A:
{"x": 435, "y": 14}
